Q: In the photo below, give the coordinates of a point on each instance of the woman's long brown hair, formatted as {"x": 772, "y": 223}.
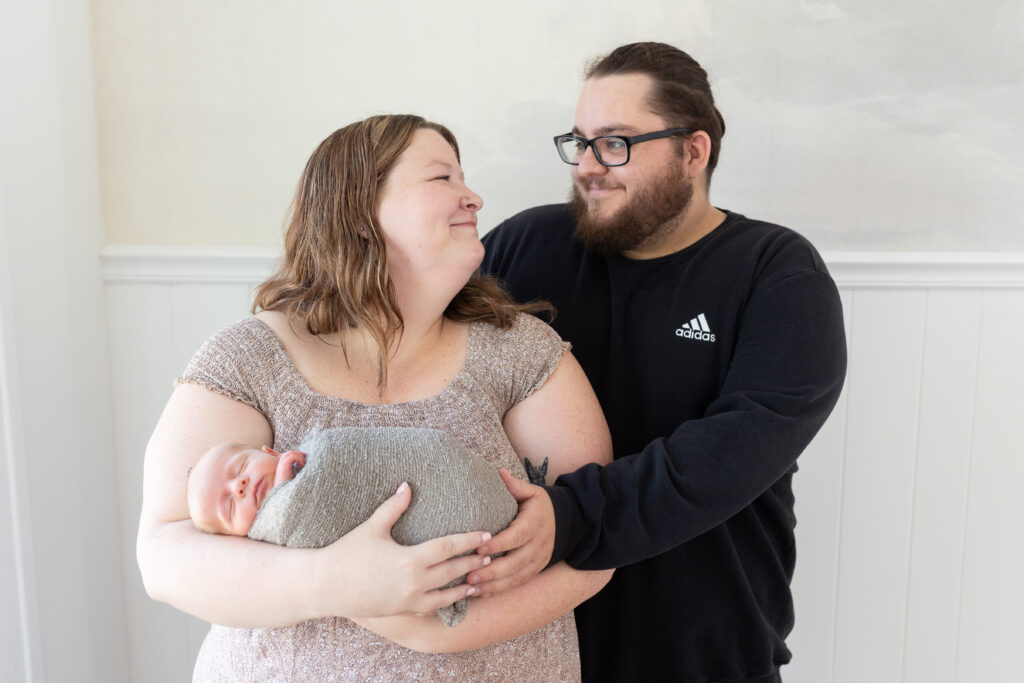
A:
{"x": 335, "y": 270}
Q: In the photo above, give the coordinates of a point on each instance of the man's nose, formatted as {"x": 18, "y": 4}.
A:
{"x": 589, "y": 165}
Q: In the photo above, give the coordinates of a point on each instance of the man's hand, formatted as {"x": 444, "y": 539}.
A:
{"x": 528, "y": 540}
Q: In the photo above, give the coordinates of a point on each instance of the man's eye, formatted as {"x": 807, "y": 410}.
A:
{"x": 445, "y": 178}
{"x": 581, "y": 145}
{"x": 615, "y": 144}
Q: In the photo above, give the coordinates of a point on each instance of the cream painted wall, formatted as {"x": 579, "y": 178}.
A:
{"x": 865, "y": 125}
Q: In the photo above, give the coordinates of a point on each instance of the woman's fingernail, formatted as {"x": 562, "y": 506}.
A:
{"x": 486, "y": 537}
{"x": 487, "y": 560}
{"x": 402, "y": 487}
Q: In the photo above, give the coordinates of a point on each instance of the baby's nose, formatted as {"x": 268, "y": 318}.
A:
{"x": 239, "y": 485}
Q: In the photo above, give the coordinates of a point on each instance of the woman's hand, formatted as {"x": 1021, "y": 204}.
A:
{"x": 403, "y": 578}
{"x": 528, "y": 540}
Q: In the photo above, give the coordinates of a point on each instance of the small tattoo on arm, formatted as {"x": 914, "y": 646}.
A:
{"x": 537, "y": 475}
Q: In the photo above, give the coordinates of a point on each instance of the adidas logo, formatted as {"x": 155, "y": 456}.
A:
{"x": 696, "y": 329}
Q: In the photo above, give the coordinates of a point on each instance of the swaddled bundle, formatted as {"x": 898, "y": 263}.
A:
{"x": 350, "y": 471}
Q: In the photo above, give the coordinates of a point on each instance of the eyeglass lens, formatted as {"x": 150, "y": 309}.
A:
{"x": 611, "y": 151}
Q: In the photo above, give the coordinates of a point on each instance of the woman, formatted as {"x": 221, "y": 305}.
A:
{"x": 375, "y": 318}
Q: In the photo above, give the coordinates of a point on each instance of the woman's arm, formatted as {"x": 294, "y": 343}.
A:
{"x": 240, "y": 582}
{"x": 530, "y": 538}
{"x": 561, "y": 422}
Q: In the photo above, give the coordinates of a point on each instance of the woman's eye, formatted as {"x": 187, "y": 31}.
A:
{"x": 445, "y": 178}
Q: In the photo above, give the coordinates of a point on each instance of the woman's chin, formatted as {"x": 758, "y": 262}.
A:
{"x": 468, "y": 259}
{"x": 479, "y": 254}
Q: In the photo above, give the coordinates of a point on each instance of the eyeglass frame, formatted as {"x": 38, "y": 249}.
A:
{"x": 630, "y": 141}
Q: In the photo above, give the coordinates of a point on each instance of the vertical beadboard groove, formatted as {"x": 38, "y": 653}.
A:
{"x": 967, "y": 500}
{"x": 850, "y": 380}
{"x": 913, "y": 491}
{"x": 848, "y": 323}
{"x": 839, "y": 542}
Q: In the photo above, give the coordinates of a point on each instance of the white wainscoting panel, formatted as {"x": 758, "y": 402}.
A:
{"x": 910, "y": 530}
{"x": 992, "y": 596}
{"x": 949, "y": 368}
{"x": 885, "y": 340}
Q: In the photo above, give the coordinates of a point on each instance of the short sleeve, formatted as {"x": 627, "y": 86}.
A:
{"x": 521, "y": 359}
{"x": 231, "y": 363}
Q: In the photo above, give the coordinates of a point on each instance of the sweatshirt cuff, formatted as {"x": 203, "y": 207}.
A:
{"x": 568, "y": 518}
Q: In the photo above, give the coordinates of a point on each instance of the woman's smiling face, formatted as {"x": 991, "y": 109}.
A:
{"x": 427, "y": 215}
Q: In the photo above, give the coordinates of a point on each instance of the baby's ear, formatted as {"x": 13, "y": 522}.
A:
{"x": 268, "y": 449}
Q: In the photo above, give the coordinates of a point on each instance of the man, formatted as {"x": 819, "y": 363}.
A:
{"x": 716, "y": 346}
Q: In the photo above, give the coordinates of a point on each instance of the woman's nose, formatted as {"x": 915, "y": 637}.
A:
{"x": 471, "y": 201}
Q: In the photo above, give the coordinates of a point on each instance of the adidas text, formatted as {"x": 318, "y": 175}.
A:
{"x": 698, "y": 329}
{"x": 687, "y": 333}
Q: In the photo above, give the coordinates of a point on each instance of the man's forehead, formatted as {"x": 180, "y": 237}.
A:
{"x": 615, "y": 105}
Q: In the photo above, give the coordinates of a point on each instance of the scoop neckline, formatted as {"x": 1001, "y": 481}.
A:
{"x": 301, "y": 379}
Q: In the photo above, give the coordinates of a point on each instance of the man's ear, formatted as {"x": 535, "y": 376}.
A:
{"x": 698, "y": 153}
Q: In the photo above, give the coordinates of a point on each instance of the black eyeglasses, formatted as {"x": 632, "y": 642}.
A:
{"x": 609, "y": 150}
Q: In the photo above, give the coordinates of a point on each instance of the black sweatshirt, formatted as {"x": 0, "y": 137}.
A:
{"x": 715, "y": 366}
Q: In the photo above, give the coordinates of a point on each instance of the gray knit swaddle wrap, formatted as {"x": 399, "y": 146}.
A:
{"x": 350, "y": 471}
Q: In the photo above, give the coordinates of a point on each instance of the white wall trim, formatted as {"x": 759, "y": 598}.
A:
{"x": 124, "y": 263}
{"x": 170, "y": 264}
{"x": 923, "y": 269}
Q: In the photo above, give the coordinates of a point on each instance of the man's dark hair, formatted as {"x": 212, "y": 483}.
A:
{"x": 681, "y": 93}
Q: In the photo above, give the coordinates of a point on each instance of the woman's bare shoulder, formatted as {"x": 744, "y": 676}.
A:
{"x": 277, "y": 321}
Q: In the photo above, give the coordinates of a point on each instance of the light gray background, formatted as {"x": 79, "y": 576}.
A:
{"x": 866, "y": 125}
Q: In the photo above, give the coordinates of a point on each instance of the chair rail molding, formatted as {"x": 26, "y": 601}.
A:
{"x": 124, "y": 263}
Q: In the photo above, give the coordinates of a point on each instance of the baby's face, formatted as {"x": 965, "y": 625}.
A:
{"x": 228, "y": 485}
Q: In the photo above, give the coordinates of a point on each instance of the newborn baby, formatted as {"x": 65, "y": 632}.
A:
{"x": 230, "y": 482}
{"x": 312, "y": 496}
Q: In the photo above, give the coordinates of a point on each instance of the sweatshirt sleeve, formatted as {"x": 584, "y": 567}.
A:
{"x": 785, "y": 377}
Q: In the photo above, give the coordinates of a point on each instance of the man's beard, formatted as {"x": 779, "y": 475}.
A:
{"x": 647, "y": 217}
